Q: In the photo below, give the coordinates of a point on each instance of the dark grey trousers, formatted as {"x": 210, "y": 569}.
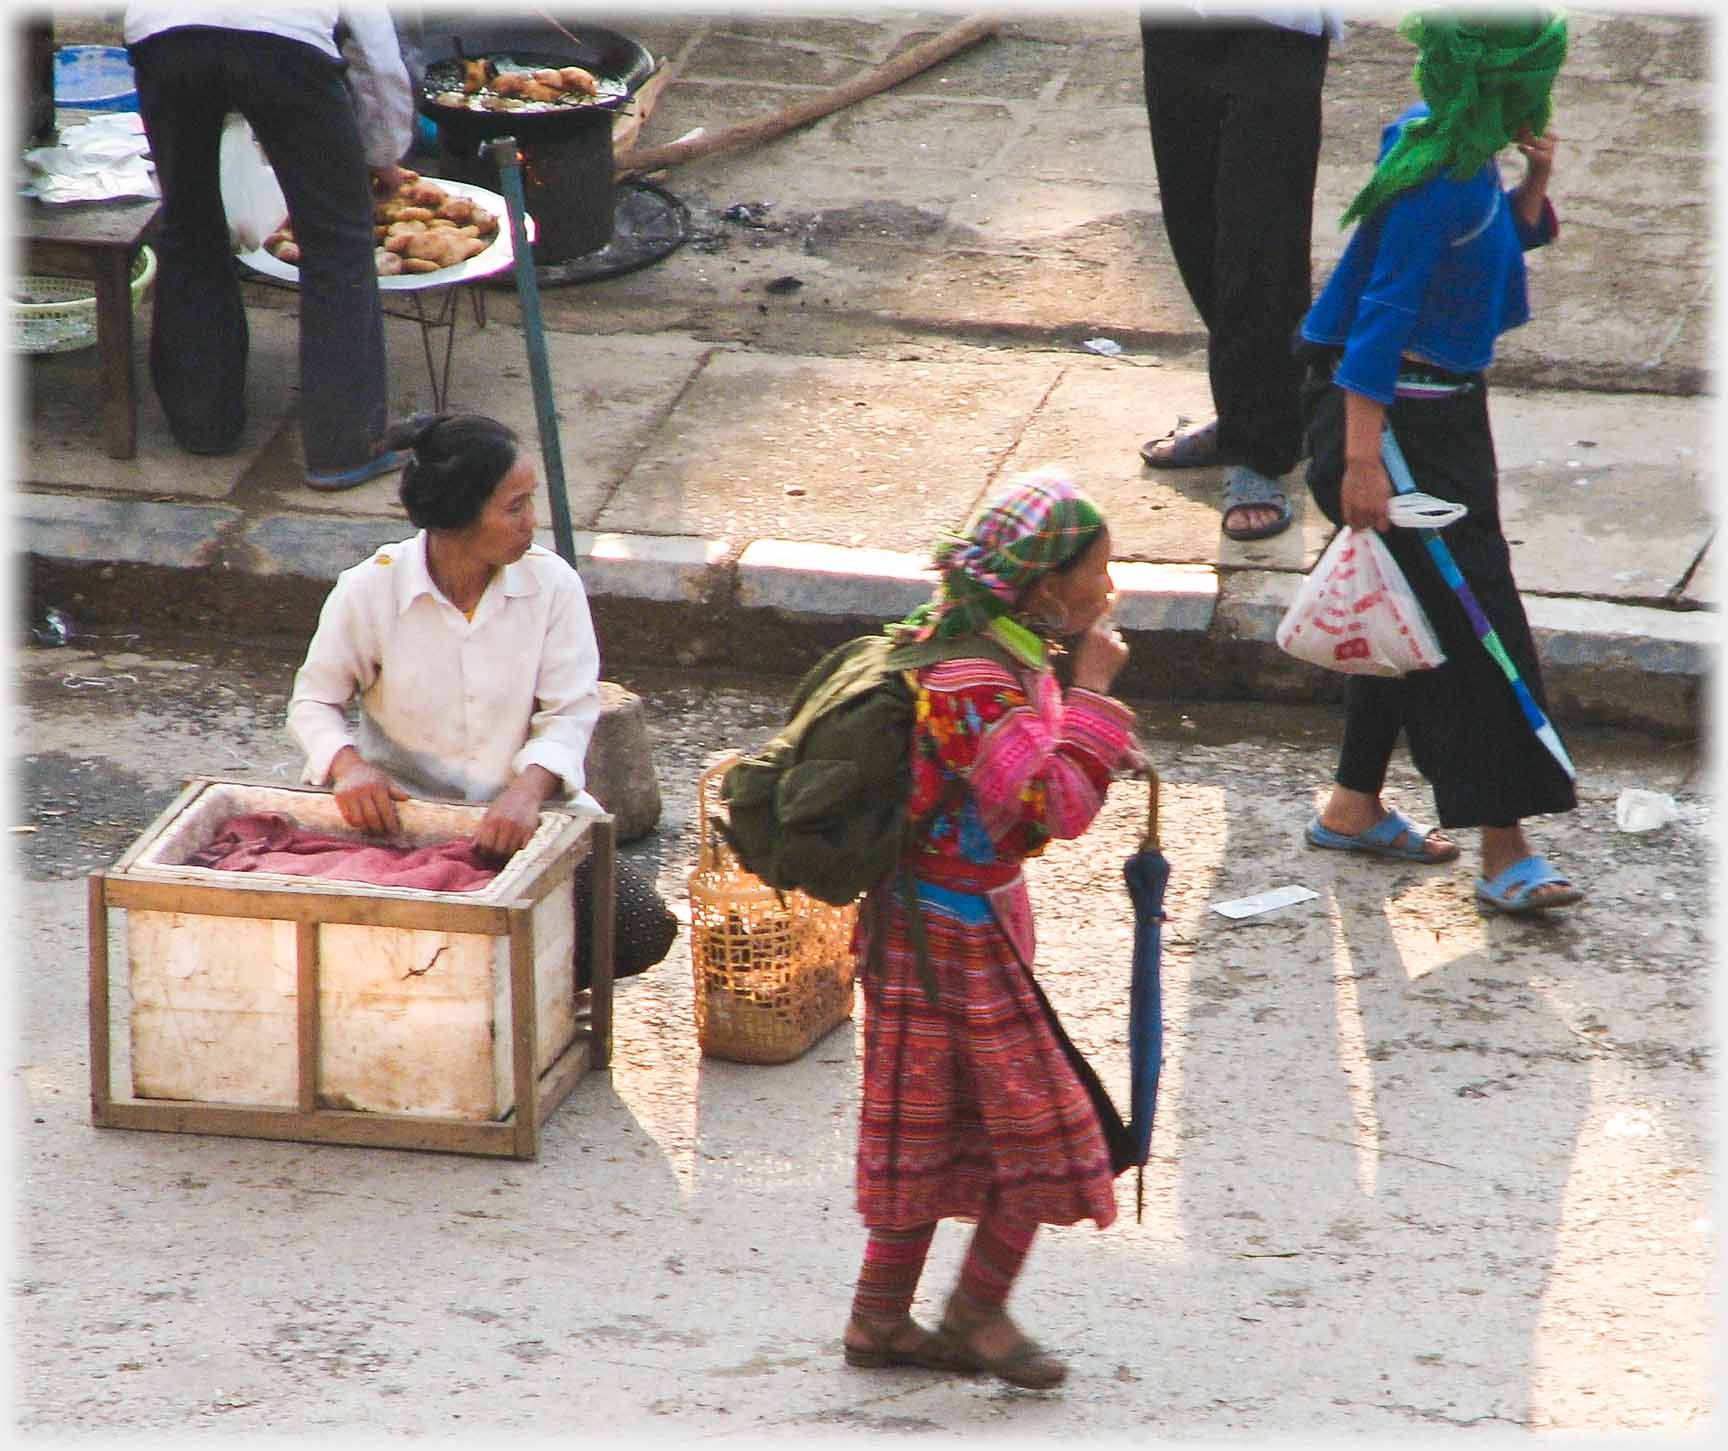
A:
{"x": 189, "y": 79}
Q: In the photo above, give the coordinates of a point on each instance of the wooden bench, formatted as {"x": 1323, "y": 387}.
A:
{"x": 96, "y": 243}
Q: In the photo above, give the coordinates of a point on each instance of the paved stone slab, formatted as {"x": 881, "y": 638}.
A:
{"x": 318, "y": 546}
{"x": 1094, "y": 421}
{"x": 1705, "y": 587}
{"x": 119, "y": 531}
{"x": 1158, "y": 597}
{"x": 1252, "y": 602}
{"x": 63, "y": 449}
{"x": 883, "y": 457}
{"x": 667, "y": 569}
{"x": 609, "y": 394}
{"x": 1570, "y": 469}
{"x": 829, "y": 581}
{"x": 1630, "y": 637}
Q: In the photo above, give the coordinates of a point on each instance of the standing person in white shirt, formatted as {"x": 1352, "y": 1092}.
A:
{"x": 1233, "y": 102}
{"x": 469, "y": 648}
{"x": 324, "y": 88}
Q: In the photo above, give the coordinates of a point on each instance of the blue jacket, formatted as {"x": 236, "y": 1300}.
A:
{"x": 1438, "y": 272}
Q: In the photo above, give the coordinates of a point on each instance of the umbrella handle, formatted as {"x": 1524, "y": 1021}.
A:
{"x": 1150, "y": 840}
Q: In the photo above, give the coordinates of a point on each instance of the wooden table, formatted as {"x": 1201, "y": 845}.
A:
{"x": 96, "y": 242}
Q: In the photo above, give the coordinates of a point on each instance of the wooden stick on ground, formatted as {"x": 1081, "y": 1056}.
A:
{"x": 812, "y": 108}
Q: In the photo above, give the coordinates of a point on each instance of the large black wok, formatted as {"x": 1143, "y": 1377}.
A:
{"x": 567, "y": 151}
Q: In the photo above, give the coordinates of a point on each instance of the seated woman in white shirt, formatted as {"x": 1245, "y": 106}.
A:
{"x": 469, "y": 647}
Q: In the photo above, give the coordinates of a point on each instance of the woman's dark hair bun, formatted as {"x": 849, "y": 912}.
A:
{"x": 407, "y": 432}
{"x": 457, "y": 461}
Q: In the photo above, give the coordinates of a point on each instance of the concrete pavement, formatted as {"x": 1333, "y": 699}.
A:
{"x": 756, "y": 472}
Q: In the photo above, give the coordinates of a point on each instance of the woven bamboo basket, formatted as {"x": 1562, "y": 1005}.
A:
{"x": 773, "y": 969}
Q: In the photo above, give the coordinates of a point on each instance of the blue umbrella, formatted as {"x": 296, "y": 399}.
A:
{"x": 1147, "y": 873}
{"x": 1398, "y": 471}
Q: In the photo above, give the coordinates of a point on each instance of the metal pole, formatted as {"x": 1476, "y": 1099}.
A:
{"x": 508, "y": 159}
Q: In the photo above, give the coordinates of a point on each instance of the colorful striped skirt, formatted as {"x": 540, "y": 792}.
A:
{"x": 969, "y": 1099}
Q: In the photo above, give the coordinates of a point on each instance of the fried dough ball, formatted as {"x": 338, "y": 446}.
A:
{"x": 510, "y": 83}
{"x": 451, "y": 98}
{"x": 457, "y": 209}
{"x": 387, "y": 262}
{"x": 549, "y": 77}
{"x": 277, "y": 238}
{"x": 485, "y": 223}
{"x": 288, "y": 252}
{"x": 418, "y": 264}
{"x": 445, "y": 247}
{"x": 424, "y": 194}
{"x": 501, "y": 103}
{"x": 578, "y": 81}
{"x": 534, "y": 91}
{"x": 473, "y": 75}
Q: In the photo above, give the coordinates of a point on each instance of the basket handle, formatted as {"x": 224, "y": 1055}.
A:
{"x": 707, "y": 788}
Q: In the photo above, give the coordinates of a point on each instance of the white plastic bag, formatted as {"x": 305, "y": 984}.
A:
{"x": 1356, "y": 613}
{"x": 250, "y": 194}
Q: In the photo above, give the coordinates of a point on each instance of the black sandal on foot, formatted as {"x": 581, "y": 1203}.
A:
{"x": 1183, "y": 447}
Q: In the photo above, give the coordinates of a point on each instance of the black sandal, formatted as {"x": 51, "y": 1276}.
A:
{"x": 1183, "y": 447}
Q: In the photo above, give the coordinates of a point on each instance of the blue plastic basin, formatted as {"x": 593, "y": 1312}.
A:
{"x": 94, "y": 78}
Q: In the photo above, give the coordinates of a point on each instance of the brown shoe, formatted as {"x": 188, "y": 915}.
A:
{"x": 1025, "y": 1363}
{"x": 883, "y": 1347}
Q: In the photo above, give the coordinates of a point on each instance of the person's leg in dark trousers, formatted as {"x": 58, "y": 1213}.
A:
{"x": 294, "y": 99}
{"x": 298, "y": 105}
{"x": 1234, "y": 113}
{"x": 198, "y": 337}
{"x": 1467, "y": 735}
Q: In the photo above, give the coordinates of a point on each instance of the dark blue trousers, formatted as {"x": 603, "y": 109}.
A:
{"x": 293, "y": 95}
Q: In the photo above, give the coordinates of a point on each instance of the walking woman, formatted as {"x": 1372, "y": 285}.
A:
{"x": 1398, "y": 339}
{"x": 972, "y": 1106}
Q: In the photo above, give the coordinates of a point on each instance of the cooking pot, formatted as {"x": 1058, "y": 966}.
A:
{"x": 567, "y": 168}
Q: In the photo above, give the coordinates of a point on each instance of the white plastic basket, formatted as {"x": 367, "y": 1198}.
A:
{"x": 58, "y": 314}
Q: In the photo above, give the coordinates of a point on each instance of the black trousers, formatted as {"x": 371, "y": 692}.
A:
{"x": 1466, "y": 732}
{"x": 1234, "y": 111}
{"x": 293, "y": 95}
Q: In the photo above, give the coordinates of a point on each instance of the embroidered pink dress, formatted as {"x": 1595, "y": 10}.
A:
{"x": 972, "y": 1098}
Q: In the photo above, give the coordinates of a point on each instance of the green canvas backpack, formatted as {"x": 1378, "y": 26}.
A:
{"x": 822, "y": 807}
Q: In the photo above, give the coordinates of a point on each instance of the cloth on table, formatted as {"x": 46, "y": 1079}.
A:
{"x": 268, "y": 841}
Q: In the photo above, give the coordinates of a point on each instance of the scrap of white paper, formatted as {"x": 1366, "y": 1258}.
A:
{"x": 1264, "y": 901}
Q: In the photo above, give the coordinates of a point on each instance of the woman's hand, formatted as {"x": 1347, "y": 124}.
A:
{"x": 365, "y": 796}
{"x": 1098, "y": 655}
{"x": 1530, "y": 196}
{"x": 1364, "y": 495}
{"x": 1538, "y": 154}
{"x": 515, "y": 815}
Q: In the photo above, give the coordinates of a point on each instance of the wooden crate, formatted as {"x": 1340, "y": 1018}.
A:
{"x": 272, "y": 1006}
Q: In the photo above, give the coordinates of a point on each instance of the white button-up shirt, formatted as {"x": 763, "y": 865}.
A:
{"x": 452, "y": 707}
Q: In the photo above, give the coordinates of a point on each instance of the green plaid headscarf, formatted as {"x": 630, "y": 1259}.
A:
{"x": 1038, "y": 523}
{"x": 1484, "y": 77}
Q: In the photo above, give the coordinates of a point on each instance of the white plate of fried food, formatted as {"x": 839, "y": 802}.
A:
{"x": 431, "y": 233}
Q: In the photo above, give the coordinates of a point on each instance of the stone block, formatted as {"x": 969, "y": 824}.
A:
{"x": 620, "y": 763}
{"x": 119, "y": 531}
{"x": 832, "y": 581}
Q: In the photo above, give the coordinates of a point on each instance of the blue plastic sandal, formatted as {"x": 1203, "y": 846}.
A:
{"x": 329, "y": 482}
{"x": 1246, "y": 488}
{"x": 1382, "y": 839}
{"x": 1512, "y": 890}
